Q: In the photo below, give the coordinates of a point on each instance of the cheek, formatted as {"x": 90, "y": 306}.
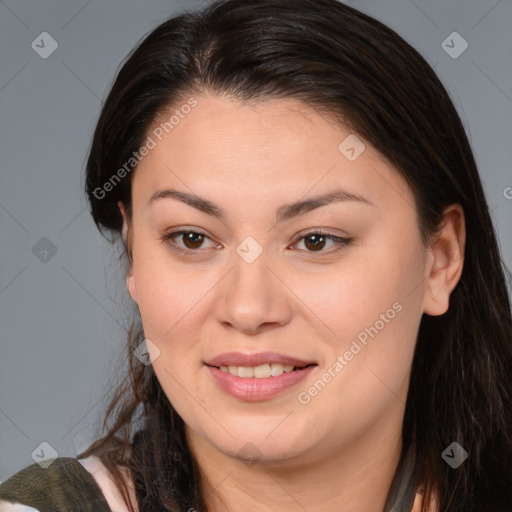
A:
{"x": 351, "y": 294}
{"x": 372, "y": 305}
{"x": 168, "y": 294}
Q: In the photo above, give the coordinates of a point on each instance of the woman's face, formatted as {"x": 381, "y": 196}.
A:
{"x": 253, "y": 282}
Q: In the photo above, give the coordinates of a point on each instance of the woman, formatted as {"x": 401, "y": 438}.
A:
{"x": 324, "y": 320}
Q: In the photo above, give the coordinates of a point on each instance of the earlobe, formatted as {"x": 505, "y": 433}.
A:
{"x": 130, "y": 284}
{"x": 446, "y": 261}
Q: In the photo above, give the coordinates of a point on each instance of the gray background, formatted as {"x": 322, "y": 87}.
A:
{"x": 62, "y": 315}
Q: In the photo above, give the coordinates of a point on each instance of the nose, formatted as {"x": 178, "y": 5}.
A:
{"x": 254, "y": 298}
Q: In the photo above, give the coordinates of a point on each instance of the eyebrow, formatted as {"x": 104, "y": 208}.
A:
{"x": 283, "y": 213}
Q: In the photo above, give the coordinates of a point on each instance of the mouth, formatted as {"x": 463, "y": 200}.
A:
{"x": 256, "y": 377}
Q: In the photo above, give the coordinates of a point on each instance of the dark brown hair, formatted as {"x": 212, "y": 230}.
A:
{"x": 346, "y": 64}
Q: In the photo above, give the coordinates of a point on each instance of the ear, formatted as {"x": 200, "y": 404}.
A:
{"x": 445, "y": 261}
{"x": 127, "y": 233}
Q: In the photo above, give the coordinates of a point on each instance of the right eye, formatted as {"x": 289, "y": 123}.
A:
{"x": 192, "y": 241}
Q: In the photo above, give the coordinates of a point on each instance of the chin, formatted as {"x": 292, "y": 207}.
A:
{"x": 255, "y": 445}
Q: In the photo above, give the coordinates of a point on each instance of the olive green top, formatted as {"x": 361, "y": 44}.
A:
{"x": 64, "y": 486}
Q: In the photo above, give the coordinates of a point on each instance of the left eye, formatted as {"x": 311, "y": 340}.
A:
{"x": 316, "y": 241}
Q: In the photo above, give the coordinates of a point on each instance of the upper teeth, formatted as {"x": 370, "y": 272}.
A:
{"x": 260, "y": 372}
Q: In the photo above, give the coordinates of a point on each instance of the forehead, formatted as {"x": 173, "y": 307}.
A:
{"x": 226, "y": 148}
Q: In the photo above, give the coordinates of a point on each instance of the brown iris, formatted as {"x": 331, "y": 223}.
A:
{"x": 194, "y": 239}
{"x": 318, "y": 242}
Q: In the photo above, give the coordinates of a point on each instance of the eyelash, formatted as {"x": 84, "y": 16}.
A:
{"x": 167, "y": 239}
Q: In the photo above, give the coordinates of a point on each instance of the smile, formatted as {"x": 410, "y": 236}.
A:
{"x": 257, "y": 377}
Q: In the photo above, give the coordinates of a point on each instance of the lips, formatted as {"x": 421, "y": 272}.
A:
{"x": 232, "y": 372}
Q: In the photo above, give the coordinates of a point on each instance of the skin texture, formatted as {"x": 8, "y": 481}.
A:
{"x": 340, "y": 450}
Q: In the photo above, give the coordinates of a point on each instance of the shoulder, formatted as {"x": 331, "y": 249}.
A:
{"x": 62, "y": 485}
